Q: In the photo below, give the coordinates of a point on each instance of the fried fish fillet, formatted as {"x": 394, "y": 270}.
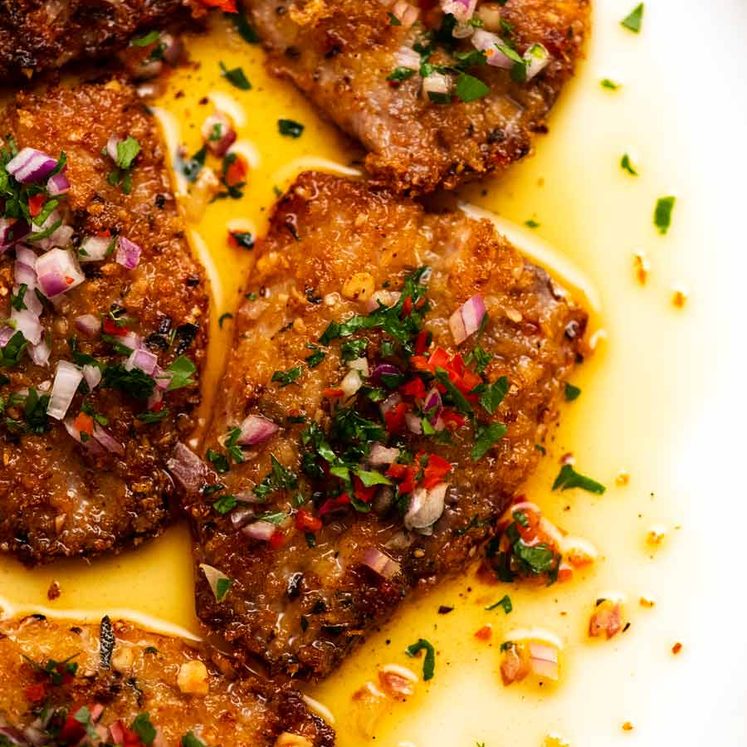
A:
{"x": 89, "y": 477}
{"x": 364, "y": 69}
{"x": 130, "y": 686}
{"x": 360, "y": 452}
{"x": 39, "y": 35}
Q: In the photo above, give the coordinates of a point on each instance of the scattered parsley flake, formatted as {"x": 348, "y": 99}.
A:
{"x": 468, "y": 88}
{"x": 610, "y": 84}
{"x": 504, "y": 603}
{"x": 290, "y": 128}
{"x": 531, "y": 223}
{"x": 393, "y": 20}
{"x": 571, "y": 392}
{"x": 633, "y": 21}
{"x": 223, "y": 318}
{"x": 493, "y": 394}
{"x": 225, "y": 504}
{"x": 236, "y": 77}
{"x": 568, "y": 478}
{"x": 143, "y": 727}
{"x": 429, "y": 661}
{"x": 663, "y": 213}
{"x": 146, "y": 40}
{"x": 127, "y": 151}
{"x": 285, "y": 378}
{"x": 181, "y": 370}
{"x": 246, "y": 31}
{"x": 627, "y": 165}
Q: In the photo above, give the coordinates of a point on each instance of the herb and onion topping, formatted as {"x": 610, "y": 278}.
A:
{"x": 50, "y": 260}
{"x": 447, "y": 59}
{"x": 399, "y": 399}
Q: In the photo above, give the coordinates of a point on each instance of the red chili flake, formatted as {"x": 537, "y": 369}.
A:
{"x": 332, "y": 392}
{"x": 435, "y": 472}
{"x": 227, "y": 6}
{"x": 422, "y": 341}
{"x": 305, "y": 522}
{"x": 236, "y": 171}
{"x": 407, "y": 307}
{"x": 485, "y": 633}
{"x": 453, "y": 420}
{"x": 676, "y": 648}
{"x": 111, "y": 328}
{"x": 414, "y": 388}
{"x": 332, "y": 503}
{"x": 84, "y": 423}
{"x": 277, "y": 540}
{"x": 395, "y": 418}
{"x": 36, "y": 693}
{"x": 72, "y": 731}
{"x": 362, "y": 493}
{"x": 36, "y": 203}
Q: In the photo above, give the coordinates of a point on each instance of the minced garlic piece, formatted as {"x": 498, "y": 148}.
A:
{"x": 193, "y": 678}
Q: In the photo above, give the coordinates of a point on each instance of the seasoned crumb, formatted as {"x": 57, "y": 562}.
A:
{"x": 676, "y": 648}
{"x": 655, "y": 536}
{"x": 54, "y": 591}
{"x": 485, "y": 633}
{"x": 646, "y": 602}
{"x": 627, "y": 726}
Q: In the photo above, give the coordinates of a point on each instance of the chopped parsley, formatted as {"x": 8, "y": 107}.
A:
{"x": 429, "y": 661}
{"x": 634, "y": 20}
{"x": 246, "y": 31}
{"x": 16, "y": 300}
{"x": 486, "y": 437}
{"x": 143, "y": 727}
{"x": 627, "y": 165}
{"x": 231, "y": 444}
{"x": 504, "y": 603}
{"x": 571, "y": 392}
{"x": 468, "y": 88}
{"x": 290, "y": 128}
{"x": 243, "y": 239}
{"x": 493, "y": 394}
{"x": 223, "y": 318}
{"x": 531, "y": 223}
{"x": 182, "y": 370}
{"x": 218, "y": 460}
{"x": 154, "y": 416}
{"x": 568, "y": 478}
{"x": 663, "y": 213}
{"x": 127, "y": 151}
{"x": 236, "y": 77}
{"x": 134, "y": 383}
{"x": 190, "y": 740}
{"x": 279, "y": 478}
{"x": 285, "y": 378}
{"x": 609, "y": 84}
{"x": 479, "y": 358}
{"x": 400, "y": 73}
{"x": 192, "y": 166}
{"x": 225, "y": 504}
{"x": 393, "y": 20}
{"x": 316, "y": 357}
{"x": 146, "y": 40}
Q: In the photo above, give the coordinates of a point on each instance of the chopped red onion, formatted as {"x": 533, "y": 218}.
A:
{"x": 92, "y": 375}
{"x": 382, "y": 298}
{"x": 385, "y": 369}
{"x": 142, "y": 359}
{"x": 491, "y": 44}
{"x": 537, "y": 58}
{"x": 27, "y": 323}
{"x": 380, "y": 563}
{"x": 218, "y": 133}
{"x": 432, "y": 405}
{"x": 31, "y": 165}
{"x": 58, "y": 184}
{"x": 380, "y": 455}
{"x": 111, "y": 147}
{"x": 259, "y": 530}
{"x": 60, "y": 237}
{"x": 24, "y": 274}
{"x": 133, "y": 341}
{"x": 414, "y": 424}
{"x": 436, "y": 83}
{"x": 187, "y": 468}
{"x": 40, "y": 353}
{"x": 361, "y": 365}
{"x": 256, "y": 430}
{"x": 163, "y": 378}
{"x": 58, "y": 272}
{"x": 92, "y": 446}
{"x": 466, "y": 320}
{"x": 409, "y": 58}
{"x": 94, "y": 248}
{"x": 11, "y": 231}
{"x": 351, "y": 383}
{"x": 213, "y": 577}
{"x": 88, "y": 324}
{"x": 403, "y": 11}
{"x": 6, "y": 333}
{"x": 66, "y": 382}
{"x": 543, "y": 659}
{"x": 128, "y": 253}
{"x": 462, "y": 10}
{"x": 241, "y": 516}
{"x": 26, "y": 256}
{"x": 426, "y": 507}
{"x": 107, "y": 441}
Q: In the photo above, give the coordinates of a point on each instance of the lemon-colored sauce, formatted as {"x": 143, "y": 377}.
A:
{"x": 635, "y": 415}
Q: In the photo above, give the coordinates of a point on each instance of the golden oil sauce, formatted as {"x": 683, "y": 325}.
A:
{"x": 632, "y": 427}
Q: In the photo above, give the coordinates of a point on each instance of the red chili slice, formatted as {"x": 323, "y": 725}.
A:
{"x": 306, "y": 522}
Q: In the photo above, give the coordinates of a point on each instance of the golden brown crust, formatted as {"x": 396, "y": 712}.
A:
{"x": 303, "y": 608}
{"x": 58, "y": 497}
{"x": 182, "y": 686}
{"x": 341, "y": 52}
{"x": 41, "y": 35}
